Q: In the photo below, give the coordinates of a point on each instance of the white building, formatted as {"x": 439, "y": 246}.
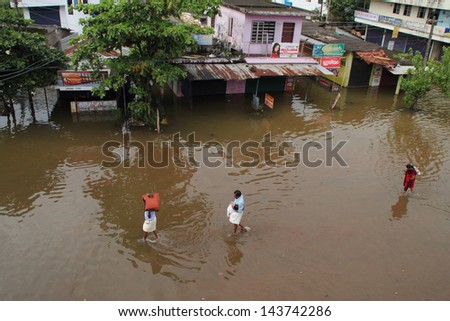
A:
{"x": 404, "y": 24}
{"x": 310, "y": 5}
{"x": 53, "y": 12}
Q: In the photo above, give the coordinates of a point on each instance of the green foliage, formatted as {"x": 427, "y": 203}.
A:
{"x": 146, "y": 35}
{"x": 26, "y": 62}
{"x": 441, "y": 73}
{"x": 420, "y": 80}
{"x": 344, "y": 10}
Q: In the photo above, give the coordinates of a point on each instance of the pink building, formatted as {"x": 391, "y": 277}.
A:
{"x": 252, "y": 26}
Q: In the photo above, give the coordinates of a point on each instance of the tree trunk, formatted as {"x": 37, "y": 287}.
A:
{"x": 30, "y": 99}
{"x": 11, "y": 110}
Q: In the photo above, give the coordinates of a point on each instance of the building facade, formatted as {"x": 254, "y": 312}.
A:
{"x": 53, "y": 12}
{"x": 311, "y": 5}
{"x": 253, "y": 26}
{"x": 404, "y": 24}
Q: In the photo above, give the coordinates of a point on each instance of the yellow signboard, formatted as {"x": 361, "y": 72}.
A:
{"x": 395, "y": 32}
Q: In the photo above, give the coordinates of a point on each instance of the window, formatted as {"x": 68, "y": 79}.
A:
{"x": 263, "y": 31}
{"x": 421, "y": 12}
{"x": 230, "y": 27}
{"x": 288, "y": 32}
{"x": 407, "y": 10}
{"x": 433, "y": 13}
{"x": 397, "y": 7}
{"x": 74, "y": 3}
{"x": 69, "y": 8}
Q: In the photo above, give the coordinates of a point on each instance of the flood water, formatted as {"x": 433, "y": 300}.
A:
{"x": 70, "y": 228}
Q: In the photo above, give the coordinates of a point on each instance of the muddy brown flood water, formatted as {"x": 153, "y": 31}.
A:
{"x": 69, "y": 227}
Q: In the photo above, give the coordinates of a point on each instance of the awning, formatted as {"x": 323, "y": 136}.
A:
{"x": 399, "y": 70}
{"x": 376, "y": 57}
{"x": 242, "y": 71}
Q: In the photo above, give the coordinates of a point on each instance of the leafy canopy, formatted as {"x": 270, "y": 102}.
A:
{"x": 26, "y": 62}
{"x": 344, "y": 10}
{"x": 147, "y": 35}
{"x": 421, "y": 79}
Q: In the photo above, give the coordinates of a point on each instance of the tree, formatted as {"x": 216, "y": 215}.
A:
{"x": 421, "y": 79}
{"x": 26, "y": 62}
{"x": 148, "y": 35}
{"x": 344, "y": 10}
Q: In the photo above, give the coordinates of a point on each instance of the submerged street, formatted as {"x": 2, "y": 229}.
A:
{"x": 70, "y": 227}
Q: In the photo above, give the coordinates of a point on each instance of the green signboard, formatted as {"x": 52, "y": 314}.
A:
{"x": 328, "y": 50}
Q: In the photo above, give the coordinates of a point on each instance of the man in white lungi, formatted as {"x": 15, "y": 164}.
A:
{"x": 235, "y": 211}
{"x": 149, "y": 224}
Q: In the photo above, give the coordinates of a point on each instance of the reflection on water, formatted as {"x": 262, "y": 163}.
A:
{"x": 400, "y": 209}
{"x": 317, "y": 233}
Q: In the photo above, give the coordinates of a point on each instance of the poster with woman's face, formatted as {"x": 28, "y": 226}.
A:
{"x": 284, "y": 50}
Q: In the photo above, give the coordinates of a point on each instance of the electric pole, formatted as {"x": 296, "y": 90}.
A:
{"x": 430, "y": 36}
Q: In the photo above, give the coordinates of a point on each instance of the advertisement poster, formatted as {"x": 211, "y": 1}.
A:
{"x": 290, "y": 84}
{"x": 285, "y": 50}
{"x": 269, "y": 100}
{"x": 328, "y": 50}
{"x": 330, "y": 62}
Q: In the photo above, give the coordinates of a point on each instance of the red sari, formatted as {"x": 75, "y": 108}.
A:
{"x": 410, "y": 179}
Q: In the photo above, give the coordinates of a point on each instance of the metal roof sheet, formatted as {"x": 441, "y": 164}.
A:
{"x": 242, "y": 71}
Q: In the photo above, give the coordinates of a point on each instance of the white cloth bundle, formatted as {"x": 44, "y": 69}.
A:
{"x": 234, "y": 216}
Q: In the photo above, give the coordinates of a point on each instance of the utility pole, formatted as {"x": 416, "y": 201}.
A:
{"x": 328, "y": 10}
{"x": 430, "y": 36}
{"x": 16, "y": 4}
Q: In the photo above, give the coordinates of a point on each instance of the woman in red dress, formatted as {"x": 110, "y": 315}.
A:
{"x": 410, "y": 178}
{"x": 276, "y": 50}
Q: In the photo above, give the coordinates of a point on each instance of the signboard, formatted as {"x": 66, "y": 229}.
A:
{"x": 290, "y": 84}
{"x": 391, "y": 45}
{"x": 93, "y": 105}
{"x": 376, "y": 76}
{"x": 390, "y": 20}
{"x": 415, "y": 25}
{"x": 366, "y": 15}
{"x": 285, "y": 50}
{"x": 447, "y": 32}
{"x": 328, "y": 50}
{"x": 330, "y": 62}
{"x": 325, "y": 82}
{"x": 203, "y": 40}
{"x": 395, "y": 32}
{"x": 269, "y": 100}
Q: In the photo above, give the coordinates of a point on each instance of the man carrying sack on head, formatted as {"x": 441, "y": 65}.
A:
{"x": 151, "y": 206}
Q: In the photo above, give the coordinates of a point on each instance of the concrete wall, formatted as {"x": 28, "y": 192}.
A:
{"x": 69, "y": 21}
{"x": 266, "y": 49}
{"x": 242, "y": 30}
{"x": 221, "y": 27}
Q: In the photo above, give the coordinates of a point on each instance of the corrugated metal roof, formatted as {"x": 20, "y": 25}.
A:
{"x": 376, "y": 57}
{"x": 265, "y": 7}
{"x": 243, "y": 71}
{"x": 217, "y": 71}
{"x": 269, "y": 70}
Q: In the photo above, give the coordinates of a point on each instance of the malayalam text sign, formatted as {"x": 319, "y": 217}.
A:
{"x": 330, "y": 62}
{"x": 328, "y": 50}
